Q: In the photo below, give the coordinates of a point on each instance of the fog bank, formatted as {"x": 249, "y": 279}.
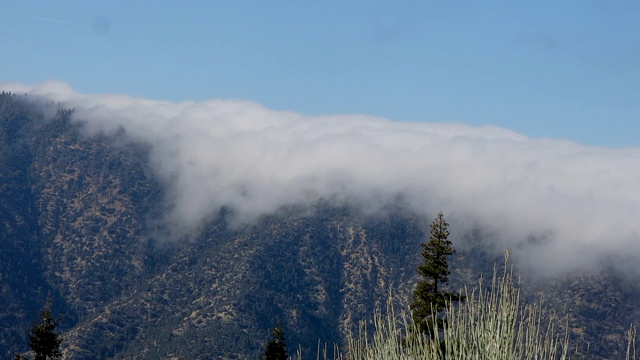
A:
{"x": 583, "y": 202}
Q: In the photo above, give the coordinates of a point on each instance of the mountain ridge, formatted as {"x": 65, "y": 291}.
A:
{"x": 82, "y": 225}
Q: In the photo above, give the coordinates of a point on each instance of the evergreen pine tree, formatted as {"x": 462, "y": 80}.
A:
{"x": 430, "y": 295}
{"x": 43, "y": 340}
{"x": 277, "y": 346}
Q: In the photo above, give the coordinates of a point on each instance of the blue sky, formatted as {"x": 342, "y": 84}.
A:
{"x": 560, "y": 69}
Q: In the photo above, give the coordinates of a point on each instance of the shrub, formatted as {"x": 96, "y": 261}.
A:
{"x": 492, "y": 324}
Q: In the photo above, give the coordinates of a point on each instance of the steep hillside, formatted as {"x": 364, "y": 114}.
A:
{"x": 22, "y": 282}
{"x": 79, "y": 217}
{"x": 317, "y": 275}
{"x": 74, "y": 211}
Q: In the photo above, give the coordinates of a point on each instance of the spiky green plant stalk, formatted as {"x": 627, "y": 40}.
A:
{"x": 631, "y": 343}
{"x": 491, "y": 325}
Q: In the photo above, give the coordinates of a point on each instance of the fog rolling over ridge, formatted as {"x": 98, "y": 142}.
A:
{"x": 580, "y": 202}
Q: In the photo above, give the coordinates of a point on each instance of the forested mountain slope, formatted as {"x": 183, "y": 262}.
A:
{"x": 81, "y": 225}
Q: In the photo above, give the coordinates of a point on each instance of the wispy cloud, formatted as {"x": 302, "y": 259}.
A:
{"x": 49, "y": 20}
{"x": 579, "y": 202}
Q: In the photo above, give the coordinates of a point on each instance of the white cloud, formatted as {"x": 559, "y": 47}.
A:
{"x": 583, "y": 201}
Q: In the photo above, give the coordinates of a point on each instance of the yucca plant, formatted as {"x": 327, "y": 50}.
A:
{"x": 631, "y": 343}
{"x": 492, "y": 324}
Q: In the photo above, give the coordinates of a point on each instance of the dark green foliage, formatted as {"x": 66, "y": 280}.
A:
{"x": 44, "y": 341}
{"x": 277, "y": 346}
{"x": 430, "y": 295}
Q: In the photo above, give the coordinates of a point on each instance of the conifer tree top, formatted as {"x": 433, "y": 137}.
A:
{"x": 277, "y": 346}
{"x": 430, "y": 296}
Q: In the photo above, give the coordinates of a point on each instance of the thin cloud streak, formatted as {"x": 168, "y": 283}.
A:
{"x": 558, "y": 204}
{"x": 50, "y": 20}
